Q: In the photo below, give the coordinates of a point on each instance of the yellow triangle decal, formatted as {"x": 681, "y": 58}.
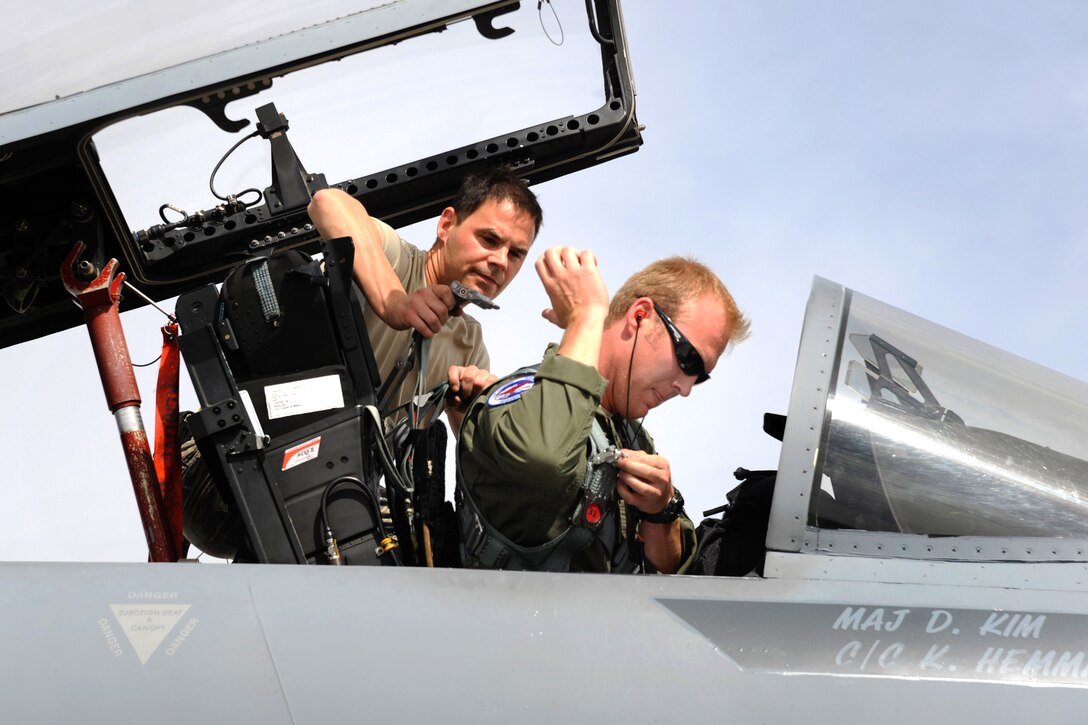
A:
{"x": 146, "y": 625}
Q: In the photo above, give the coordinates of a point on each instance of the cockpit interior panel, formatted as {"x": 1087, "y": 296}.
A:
{"x": 923, "y": 432}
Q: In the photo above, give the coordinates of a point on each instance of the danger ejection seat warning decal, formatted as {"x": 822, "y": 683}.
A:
{"x": 146, "y": 624}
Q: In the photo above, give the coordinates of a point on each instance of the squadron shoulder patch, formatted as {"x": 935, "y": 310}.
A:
{"x": 510, "y": 391}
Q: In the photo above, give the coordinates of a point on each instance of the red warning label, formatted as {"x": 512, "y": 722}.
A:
{"x": 302, "y": 453}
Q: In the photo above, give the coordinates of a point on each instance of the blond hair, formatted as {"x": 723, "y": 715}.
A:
{"x": 674, "y": 282}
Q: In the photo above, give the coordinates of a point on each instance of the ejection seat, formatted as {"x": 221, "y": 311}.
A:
{"x": 286, "y": 381}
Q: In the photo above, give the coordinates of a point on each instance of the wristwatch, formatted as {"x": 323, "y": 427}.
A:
{"x": 670, "y": 513}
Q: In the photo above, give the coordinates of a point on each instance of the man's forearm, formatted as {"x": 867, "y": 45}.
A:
{"x": 338, "y": 215}
{"x": 373, "y": 273}
{"x": 455, "y": 418}
{"x": 582, "y": 338}
{"x": 661, "y": 545}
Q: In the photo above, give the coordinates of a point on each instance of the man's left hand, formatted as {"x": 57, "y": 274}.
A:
{"x": 466, "y": 382}
{"x": 644, "y": 481}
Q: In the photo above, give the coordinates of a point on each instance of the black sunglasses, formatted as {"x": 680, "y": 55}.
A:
{"x": 691, "y": 363}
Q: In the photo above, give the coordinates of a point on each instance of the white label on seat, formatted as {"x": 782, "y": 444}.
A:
{"x": 304, "y": 396}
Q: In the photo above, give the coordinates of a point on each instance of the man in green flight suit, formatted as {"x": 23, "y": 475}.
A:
{"x": 533, "y": 442}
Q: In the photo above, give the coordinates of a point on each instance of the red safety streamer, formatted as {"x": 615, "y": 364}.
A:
{"x": 167, "y": 445}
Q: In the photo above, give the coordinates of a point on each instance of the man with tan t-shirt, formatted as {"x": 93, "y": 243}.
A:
{"x": 482, "y": 241}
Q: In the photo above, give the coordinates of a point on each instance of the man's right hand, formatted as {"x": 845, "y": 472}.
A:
{"x": 573, "y": 283}
{"x": 336, "y": 214}
{"x": 579, "y": 301}
{"x": 425, "y": 310}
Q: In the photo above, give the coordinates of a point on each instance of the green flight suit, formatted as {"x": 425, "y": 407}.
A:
{"x": 522, "y": 455}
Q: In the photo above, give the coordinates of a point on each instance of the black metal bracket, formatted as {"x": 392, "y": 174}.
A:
{"x": 226, "y": 415}
{"x": 292, "y": 187}
{"x": 403, "y": 194}
{"x": 485, "y": 22}
{"x": 59, "y": 193}
{"x": 884, "y": 381}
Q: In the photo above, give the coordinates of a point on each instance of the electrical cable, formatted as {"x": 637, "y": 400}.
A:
{"x": 392, "y": 473}
{"x": 424, "y": 415}
{"x": 147, "y": 364}
{"x": 540, "y": 15}
{"x": 232, "y": 201}
{"x": 211, "y": 179}
{"x": 627, "y": 404}
{"x": 632, "y": 534}
{"x": 375, "y": 505}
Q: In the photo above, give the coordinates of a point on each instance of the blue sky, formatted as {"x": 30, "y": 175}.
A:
{"x": 932, "y": 155}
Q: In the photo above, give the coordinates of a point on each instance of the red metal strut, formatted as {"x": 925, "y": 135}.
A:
{"x": 99, "y": 293}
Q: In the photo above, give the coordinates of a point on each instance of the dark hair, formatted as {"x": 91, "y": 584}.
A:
{"x": 498, "y": 183}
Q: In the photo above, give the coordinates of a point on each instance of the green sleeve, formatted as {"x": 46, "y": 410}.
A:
{"x": 523, "y": 461}
{"x": 688, "y": 545}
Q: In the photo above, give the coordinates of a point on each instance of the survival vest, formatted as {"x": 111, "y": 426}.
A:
{"x": 482, "y": 545}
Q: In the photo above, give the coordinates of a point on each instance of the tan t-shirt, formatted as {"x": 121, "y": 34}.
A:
{"x": 459, "y": 342}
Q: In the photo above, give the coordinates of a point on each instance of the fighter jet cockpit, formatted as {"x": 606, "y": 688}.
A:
{"x": 380, "y": 107}
{"x": 907, "y": 439}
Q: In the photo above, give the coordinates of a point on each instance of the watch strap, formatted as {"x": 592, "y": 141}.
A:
{"x": 670, "y": 513}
